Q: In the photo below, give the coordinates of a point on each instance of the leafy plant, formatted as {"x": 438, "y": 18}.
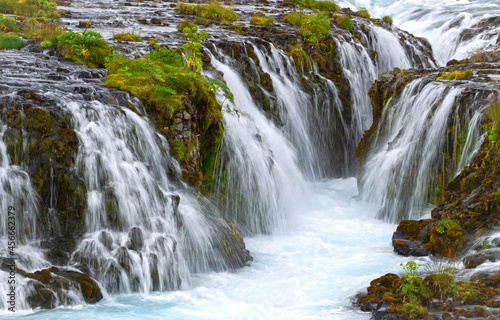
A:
{"x": 363, "y": 13}
{"x": 387, "y": 19}
{"x": 344, "y": 22}
{"x": 191, "y": 49}
{"x": 312, "y": 28}
{"x": 8, "y": 24}
{"x": 127, "y": 37}
{"x": 215, "y": 86}
{"x": 186, "y": 24}
{"x": 261, "y": 21}
{"x": 328, "y": 6}
{"x": 84, "y": 47}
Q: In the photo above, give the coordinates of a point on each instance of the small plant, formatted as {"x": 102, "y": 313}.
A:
{"x": 215, "y": 86}
{"x": 387, "y": 19}
{"x": 344, "y": 22}
{"x": 8, "y": 24}
{"x": 191, "y": 49}
{"x": 261, "y": 21}
{"x": 493, "y": 114}
{"x": 46, "y": 44}
{"x": 455, "y": 75}
{"x": 363, "y": 13}
{"x": 328, "y": 6}
{"x": 201, "y": 21}
{"x": 214, "y": 10}
{"x": 127, "y": 37}
{"x": 10, "y": 41}
{"x": 186, "y": 24}
{"x": 84, "y": 47}
{"x": 312, "y": 28}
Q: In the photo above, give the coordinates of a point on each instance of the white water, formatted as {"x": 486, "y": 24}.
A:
{"x": 441, "y": 22}
{"x": 406, "y": 152}
{"x": 331, "y": 250}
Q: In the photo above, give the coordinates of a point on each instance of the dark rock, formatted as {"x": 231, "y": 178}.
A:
{"x": 136, "y": 239}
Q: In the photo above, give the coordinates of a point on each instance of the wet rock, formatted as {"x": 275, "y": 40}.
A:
{"x": 136, "y": 239}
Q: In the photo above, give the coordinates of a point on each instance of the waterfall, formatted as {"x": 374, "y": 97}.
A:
{"x": 141, "y": 236}
{"x": 414, "y": 152}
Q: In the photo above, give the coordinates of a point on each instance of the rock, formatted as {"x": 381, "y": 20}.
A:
{"x": 380, "y": 313}
{"x": 136, "y": 240}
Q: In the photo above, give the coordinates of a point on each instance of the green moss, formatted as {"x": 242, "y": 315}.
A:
{"x": 127, "y": 37}
{"x": 328, "y": 6}
{"x": 387, "y": 19}
{"x": 363, "y": 13}
{"x": 455, "y": 75}
{"x": 344, "y": 23}
{"x": 261, "y": 21}
{"x": 178, "y": 150}
{"x": 10, "y": 41}
{"x": 214, "y": 10}
{"x": 312, "y": 28}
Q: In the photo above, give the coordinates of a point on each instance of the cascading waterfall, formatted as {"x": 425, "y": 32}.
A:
{"x": 140, "y": 236}
{"x": 455, "y": 28}
{"x": 407, "y": 157}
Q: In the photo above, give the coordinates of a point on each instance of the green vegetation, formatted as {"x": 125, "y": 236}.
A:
{"x": 344, "y": 22}
{"x": 191, "y": 49}
{"x": 261, "y": 21}
{"x": 8, "y": 24}
{"x": 186, "y": 24}
{"x": 10, "y": 41}
{"x": 493, "y": 114}
{"x": 363, "y": 13}
{"x": 84, "y": 47}
{"x": 387, "y": 19}
{"x": 312, "y": 28}
{"x": 201, "y": 21}
{"x": 30, "y": 8}
{"x": 455, "y": 75}
{"x": 127, "y": 37}
{"x": 328, "y": 6}
{"x": 214, "y": 10}
{"x": 178, "y": 150}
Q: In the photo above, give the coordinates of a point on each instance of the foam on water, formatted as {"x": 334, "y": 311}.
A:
{"x": 331, "y": 250}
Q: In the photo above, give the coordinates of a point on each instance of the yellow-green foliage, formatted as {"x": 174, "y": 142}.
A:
{"x": 84, "y": 47}
{"x": 261, "y": 21}
{"x": 214, "y": 10}
{"x": 8, "y": 24}
{"x": 201, "y": 21}
{"x": 30, "y": 8}
{"x": 178, "y": 150}
{"x": 160, "y": 78}
{"x": 387, "y": 19}
{"x": 363, "y": 13}
{"x": 312, "y": 28}
{"x": 40, "y": 31}
{"x": 344, "y": 22}
{"x": 328, "y": 6}
{"x": 186, "y": 24}
{"x": 10, "y": 41}
{"x": 494, "y": 117}
{"x": 455, "y": 75}
{"x": 127, "y": 37}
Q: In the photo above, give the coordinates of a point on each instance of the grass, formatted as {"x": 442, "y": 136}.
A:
{"x": 328, "y": 6}
{"x": 312, "y": 28}
{"x": 363, "y": 13}
{"x": 214, "y": 10}
{"x": 30, "y": 8}
{"x": 201, "y": 21}
{"x": 344, "y": 22}
{"x": 8, "y": 24}
{"x": 455, "y": 75}
{"x": 387, "y": 19}
{"x": 10, "y": 41}
{"x": 87, "y": 48}
{"x": 127, "y": 37}
{"x": 261, "y": 21}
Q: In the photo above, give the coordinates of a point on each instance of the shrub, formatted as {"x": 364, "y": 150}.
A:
{"x": 127, "y": 37}
{"x": 10, "y": 41}
{"x": 313, "y": 28}
{"x": 344, "y": 22}
{"x": 46, "y": 44}
{"x": 387, "y": 19}
{"x": 363, "y": 13}
{"x": 8, "y": 24}
{"x": 214, "y": 10}
{"x": 186, "y": 24}
{"x": 84, "y": 47}
{"x": 261, "y": 21}
{"x": 30, "y": 8}
{"x": 201, "y": 21}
